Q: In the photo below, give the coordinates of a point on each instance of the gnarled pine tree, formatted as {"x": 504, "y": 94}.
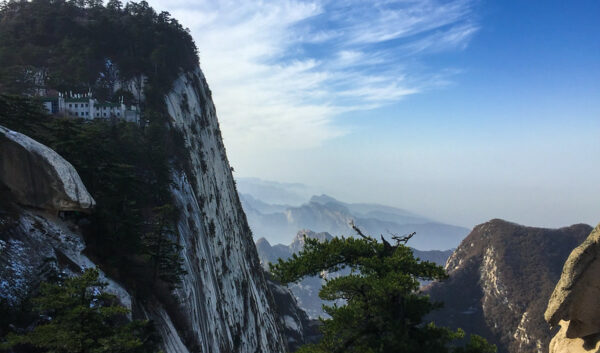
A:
{"x": 383, "y": 310}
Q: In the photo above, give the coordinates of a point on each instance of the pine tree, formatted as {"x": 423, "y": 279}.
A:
{"x": 79, "y": 317}
{"x": 162, "y": 247}
{"x": 383, "y": 310}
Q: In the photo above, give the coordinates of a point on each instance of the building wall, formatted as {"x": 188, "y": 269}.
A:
{"x": 90, "y": 109}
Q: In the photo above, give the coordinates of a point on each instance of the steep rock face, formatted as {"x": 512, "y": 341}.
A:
{"x": 574, "y": 303}
{"x": 501, "y": 277}
{"x": 298, "y": 328}
{"x": 35, "y": 245}
{"x": 38, "y": 177}
{"x": 224, "y": 290}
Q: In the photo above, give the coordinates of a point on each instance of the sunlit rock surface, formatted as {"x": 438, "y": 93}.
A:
{"x": 574, "y": 304}
{"x": 224, "y": 290}
{"x": 38, "y": 177}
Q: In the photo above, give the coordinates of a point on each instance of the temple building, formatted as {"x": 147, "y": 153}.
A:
{"x": 86, "y": 107}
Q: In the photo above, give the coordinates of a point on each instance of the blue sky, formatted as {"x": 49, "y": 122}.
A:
{"x": 461, "y": 110}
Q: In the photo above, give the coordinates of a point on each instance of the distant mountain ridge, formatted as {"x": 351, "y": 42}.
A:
{"x": 280, "y": 222}
{"x": 501, "y": 277}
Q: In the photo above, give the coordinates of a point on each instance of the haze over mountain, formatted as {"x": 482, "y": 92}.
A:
{"x": 278, "y": 223}
{"x": 461, "y": 110}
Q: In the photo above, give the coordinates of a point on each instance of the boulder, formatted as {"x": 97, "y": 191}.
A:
{"x": 39, "y": 177}
{"x": 574, "y": 303}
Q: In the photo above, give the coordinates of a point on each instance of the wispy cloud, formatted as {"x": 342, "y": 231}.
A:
{"x": 282, "y": 71}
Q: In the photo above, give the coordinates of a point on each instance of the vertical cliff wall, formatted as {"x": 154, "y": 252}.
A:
{"x": 224, "y": 292}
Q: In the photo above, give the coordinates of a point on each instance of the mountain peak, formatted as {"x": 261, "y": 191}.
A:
{"x": 323, "y": 199}
{"x": 501, "y": 277}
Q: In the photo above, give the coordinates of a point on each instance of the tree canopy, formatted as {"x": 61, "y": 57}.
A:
{"x": 81, "y": 45}
{"x": 126, "y": 168}
{"x": 78, "y": 316}
{"x": 384, "y": 310}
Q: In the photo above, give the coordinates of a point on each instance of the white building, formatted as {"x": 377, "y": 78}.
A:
{"x": 86, "y": 107}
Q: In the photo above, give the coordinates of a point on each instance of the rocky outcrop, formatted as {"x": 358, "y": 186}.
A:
{"x": 574, "y": 303}
{"x": 38, "y": 177}
{"x": 501, "y": 277}
{"x": 38, "y": 246}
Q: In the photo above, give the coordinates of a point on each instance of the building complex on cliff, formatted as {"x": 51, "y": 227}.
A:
{"x": 85, "y": 106}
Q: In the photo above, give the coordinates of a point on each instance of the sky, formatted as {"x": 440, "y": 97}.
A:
{"x": 461, "y": 110}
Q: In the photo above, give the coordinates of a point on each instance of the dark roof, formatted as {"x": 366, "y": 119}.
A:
{"x": 76, "y": 100}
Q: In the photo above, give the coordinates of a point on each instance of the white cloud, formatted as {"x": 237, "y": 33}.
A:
{"x": 281, "y": 71}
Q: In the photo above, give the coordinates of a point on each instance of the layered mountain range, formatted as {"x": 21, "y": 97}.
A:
{"x": 325, "y": 214}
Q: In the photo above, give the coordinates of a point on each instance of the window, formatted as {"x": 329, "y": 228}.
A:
{"x": 104, "y": 114}
{"x": 75, "y": 105}
{"x": 70, "y": 105}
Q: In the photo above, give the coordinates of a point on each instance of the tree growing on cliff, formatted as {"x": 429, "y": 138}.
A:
{"x": 162, "y": 247}
{"x": 384, "y": 310}
{"x": 79, "y": 317}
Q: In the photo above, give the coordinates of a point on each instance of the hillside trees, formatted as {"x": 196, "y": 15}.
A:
{"x": 65, "y": 45}
{"x": 79, "y": 317}
{"x": 384, "y": 310}
{"x": 127, "y": 171}
{"x": 162, "y": 247}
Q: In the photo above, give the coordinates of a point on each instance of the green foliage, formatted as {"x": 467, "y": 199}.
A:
{"x": 80, "y": 318}
{"x": 383, "y": 310}
{"x": 71, "y": 45}
{"x": 126, "y": 169}
{"x": 162, "y": 248}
